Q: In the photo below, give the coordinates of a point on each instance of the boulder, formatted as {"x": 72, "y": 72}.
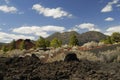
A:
{"x": 71, "y": 57}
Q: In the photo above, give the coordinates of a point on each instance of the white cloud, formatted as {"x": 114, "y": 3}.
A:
{"x": 89, "y": 26}
{"x": 108, "y": 33}
{"x": 6, "y": 37}
{"x": 114, "y": 29}
{"x": 51, "y": 12}
{"x": 110, "y": 30}
{"x": 43, "y": 34}
{"x": 38, "y": 30}
{"x": 109, "y": 6}
{"x": 8, "y": 9}
{"x": 109, "y": 19}
{"x": 74, "y": 29}
{"x": 114, "y": 2}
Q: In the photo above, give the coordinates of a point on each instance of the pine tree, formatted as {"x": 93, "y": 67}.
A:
{"x": 107, "y": 40}
{"x": 4, "y": 48}
{"x": 73, "y": 40}
{"x": 41, "y": 42}
{"x": 60, "y": 43}
{"x": 13, "y": 45}
{"x": 47, "y": 43}
{"x": 115, "y": 37}
{"x": 56, "y": 43}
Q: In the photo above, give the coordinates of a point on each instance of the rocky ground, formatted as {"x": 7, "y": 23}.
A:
{"x": 32, "y": 68}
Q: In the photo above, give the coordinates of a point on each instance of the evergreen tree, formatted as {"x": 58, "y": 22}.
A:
{"x": 41, "y": 42}
{"x": 60, "y": 43}
{"x": 115, "y": 37}
{"x": 107, "y": 40}
{"x": 56, "y": 43}
{"x": 47, "y": 43}
{"x": 73, "y": 40}
{"x": 4, "y": 48}
{"x": 13, "y": 45}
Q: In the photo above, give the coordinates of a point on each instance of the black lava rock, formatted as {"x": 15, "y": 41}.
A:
{"x": 71, "y": 57}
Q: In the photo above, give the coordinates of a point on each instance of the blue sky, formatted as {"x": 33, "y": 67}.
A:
{"x": 34, "y": 18}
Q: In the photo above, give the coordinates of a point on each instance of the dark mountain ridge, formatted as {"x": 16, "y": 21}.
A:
{"x": 83, "y": 38}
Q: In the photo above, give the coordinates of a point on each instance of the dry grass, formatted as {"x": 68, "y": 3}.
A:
{"x": 105, "y": 56}
{"x": 60, "y": 53}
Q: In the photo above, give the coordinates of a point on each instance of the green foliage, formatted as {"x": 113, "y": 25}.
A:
{"x": 60, "y": 43}
{"x": 73, "y": 40}
{"x": 12, "y": 45}
{"x": 115, "y": 37}
{"x": 107, "y": 40}
{"x": 4, "y": 48}
{"x": 41, "y": 42}
{"x": 47, "y": 43}
{"x": 22, "y": 45}
{"x": 56, "y": 43}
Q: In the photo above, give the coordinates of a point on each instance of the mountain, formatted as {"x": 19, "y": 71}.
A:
{"x": 91, "y": 36}
{"x": 63, "y": 36}
{"x": 2, "y": 44}
{"x": 83, "y": 38}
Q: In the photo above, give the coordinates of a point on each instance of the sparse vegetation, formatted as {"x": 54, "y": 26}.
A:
{"x": 91, "y": 44}
{"x": 108, "y": 40}
{"x": 92, "y": 58}
{"x": 41, "y": 43}
{"x": 114, "y": 38}
{"x": 92, "y": 51}
{"x": 56, "y": 43}
{"x": 73, "y": 40}
{"x": 4, "y": 48}
{"x": 47, "y": 42}
{"x": 12, "y": 45}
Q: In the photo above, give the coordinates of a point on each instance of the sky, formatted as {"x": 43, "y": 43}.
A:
{"x": 29, "y": 19}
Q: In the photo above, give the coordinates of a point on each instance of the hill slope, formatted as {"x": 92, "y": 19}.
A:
{"x": 83, "y": 38}
{"x": 63, "y": 36}
{"x": 91, "y": 36}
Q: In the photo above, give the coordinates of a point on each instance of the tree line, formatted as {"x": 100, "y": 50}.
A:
{"x": 42, "y": 43}
{"x": 114, "y": 38}
{"x": 55, "y": 43}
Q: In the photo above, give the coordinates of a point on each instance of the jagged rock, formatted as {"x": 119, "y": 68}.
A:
{"x": 30, "y": 68}
{"x": 71, "y": 57}
{"x": 34, "y": 56}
